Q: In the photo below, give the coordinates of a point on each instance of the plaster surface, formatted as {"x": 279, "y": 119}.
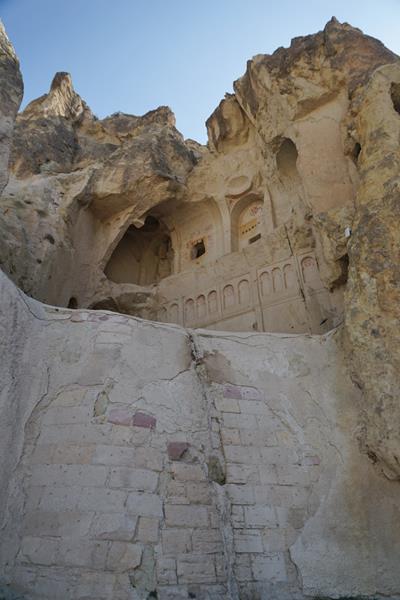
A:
{"x": 148, "y": 458}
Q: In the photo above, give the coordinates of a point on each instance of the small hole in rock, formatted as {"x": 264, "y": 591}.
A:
{"x": 255, "y": 238}
{"x": 198, "y": 249}
{"x": 49, "y": 238}
{"x": 395, "y": 95}
{"x": 73, "y": 302}
{"x": 343, "y": 263}
{"x": 356, "y": 152}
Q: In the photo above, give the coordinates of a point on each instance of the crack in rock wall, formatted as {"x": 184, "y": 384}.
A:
{"x": 150, "y": 461}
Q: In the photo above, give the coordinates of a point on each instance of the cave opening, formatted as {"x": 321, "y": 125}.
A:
{"x": 343, "y": 263}
{"x": 143, "y": 256}
{"x": 198, "y": 249}
{"x": 356, "y": 152}
{"x": 73, "y": 302}
{"x": 395, "y": 95}
{"x": 286, "y": 159}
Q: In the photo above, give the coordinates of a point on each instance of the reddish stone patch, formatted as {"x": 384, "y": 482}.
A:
{"x": 142, "y": 420}
{"x": 120, "y": 416}
{"x": 177, "y": 449}
{"x": 233, "y": 391}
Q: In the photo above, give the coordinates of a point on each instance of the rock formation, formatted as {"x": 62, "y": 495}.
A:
{"x": 144, "y": 460}
{"x": 10, "y": 99}
{"x": 372, "y": 297}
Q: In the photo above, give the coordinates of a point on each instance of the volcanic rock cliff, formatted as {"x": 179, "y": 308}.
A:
{"x": 146, "y": 460}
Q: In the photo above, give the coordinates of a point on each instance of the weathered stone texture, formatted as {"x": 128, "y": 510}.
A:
{"x": 373, "y": 297}
{"x": 141, "y": 460}
{"x": 92, "y": 498}
{"x": 11, "y": 91}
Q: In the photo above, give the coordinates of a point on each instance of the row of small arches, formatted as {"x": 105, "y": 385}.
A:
{"x": 283, "y": 278}
{"x": 275, "y": 280}
{"x": 196, "y": 310}
{"x": 278, "y": 279}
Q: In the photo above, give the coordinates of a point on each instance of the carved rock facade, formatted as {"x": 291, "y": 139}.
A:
{"x": 235, "y": 470}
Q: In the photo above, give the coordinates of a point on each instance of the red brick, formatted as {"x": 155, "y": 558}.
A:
{"x": 177, "y": 449}
{"x": 142, "y": 420}
{"x": 233, "y": 391}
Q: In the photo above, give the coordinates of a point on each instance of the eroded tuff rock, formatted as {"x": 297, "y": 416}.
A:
{"x": 235, "y": 471}
{"x": 373, "y": 291}
{"x": 11, "y": 91}
{"x": 76, "y": 184}
{"x": 283, "y": 148}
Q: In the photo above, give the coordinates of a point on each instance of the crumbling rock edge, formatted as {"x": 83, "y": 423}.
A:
{"x": 234, "y": 470}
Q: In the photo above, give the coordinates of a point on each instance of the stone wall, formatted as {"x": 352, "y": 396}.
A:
{"x": 287, "y": 296}
{"x": 151, "y": 461}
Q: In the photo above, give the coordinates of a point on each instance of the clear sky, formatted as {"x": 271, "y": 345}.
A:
{"x": 135, "y": 55}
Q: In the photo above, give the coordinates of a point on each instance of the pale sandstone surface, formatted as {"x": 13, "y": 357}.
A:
{"x": 71, "y": 171}
{"x": 11, "y": 91}
{"x": 250, "y": 229}
{"x": 270, "y": 498}
{"x": 140, "y": 458}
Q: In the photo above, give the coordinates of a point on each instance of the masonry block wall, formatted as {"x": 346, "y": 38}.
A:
{"x": 150, "y": 461}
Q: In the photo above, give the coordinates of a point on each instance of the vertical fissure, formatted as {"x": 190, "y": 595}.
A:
{"x": 222, "y": 502}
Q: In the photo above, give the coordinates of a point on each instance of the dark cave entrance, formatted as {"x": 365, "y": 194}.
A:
{"x": 143, "y": 255}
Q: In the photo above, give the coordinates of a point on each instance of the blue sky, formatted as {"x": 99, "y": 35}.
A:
{"x": 134, "y": 55}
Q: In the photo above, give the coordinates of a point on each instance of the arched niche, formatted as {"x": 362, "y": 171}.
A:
{"x": 73, "y": 302}
{"x": 277, "y": 279}
{"x": 229, "y": 296}
{"x": 309, "y": 269}
{"x": 286, "y": 159}
{"x": 286, "y": 186}
{"x": 162, "y": 315}
{"x": 244, "y": 292}
{"x": 212, "y": 301}
{"x": 290, "y": 277}
{"x": 247, "y": 222}
{"x": 189, "y": 312}
{"x": 265, "y": 280}
{"x": 143, "y": 255}
{"x": 174, "y": 313}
